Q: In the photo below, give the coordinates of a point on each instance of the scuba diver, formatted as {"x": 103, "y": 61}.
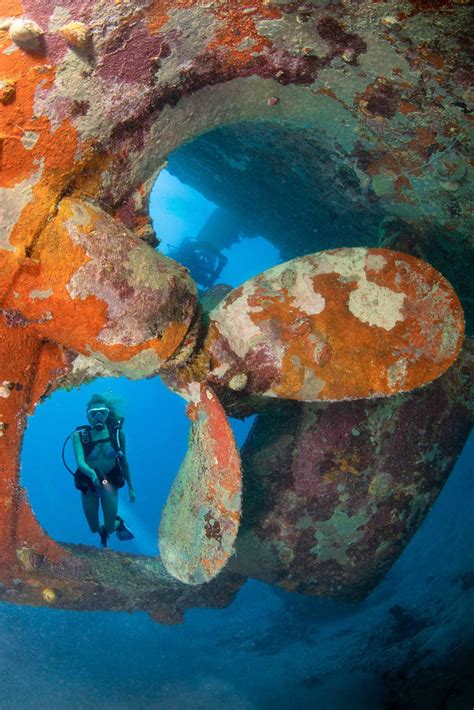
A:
{"x": 99, "y": 449}
{"x": 203, "y": 259}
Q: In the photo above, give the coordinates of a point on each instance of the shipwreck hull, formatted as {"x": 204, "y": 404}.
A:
{"x": 374, "y": 100}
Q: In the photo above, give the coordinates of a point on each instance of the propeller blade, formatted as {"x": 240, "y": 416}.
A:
{"x": 200, "y": 520}
{"x": 342, "y": 324}
{"x": 94, "y": 287}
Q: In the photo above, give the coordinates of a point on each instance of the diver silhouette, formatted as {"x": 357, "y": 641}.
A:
{"x": 99, "y": 448}
{"x": 203, "y": 259}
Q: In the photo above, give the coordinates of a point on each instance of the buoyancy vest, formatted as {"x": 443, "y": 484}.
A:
{"x": 88, "y": 444}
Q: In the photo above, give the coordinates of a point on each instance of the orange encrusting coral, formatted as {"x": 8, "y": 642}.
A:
{"x": 33, "y": 155}
{"x": 239, "y": 27}
{"x": 29, "y": 143}
{"x": 62, "y": 301}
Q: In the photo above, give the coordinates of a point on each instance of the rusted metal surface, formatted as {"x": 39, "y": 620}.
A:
{"x": 201, "y": 517}
{"x": 344, "y": 324}
{"x": 94, "y": 95}
{"x": 333, "y": 493}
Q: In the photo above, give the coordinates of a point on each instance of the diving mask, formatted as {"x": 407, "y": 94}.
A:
{"x": 98, "y": 416}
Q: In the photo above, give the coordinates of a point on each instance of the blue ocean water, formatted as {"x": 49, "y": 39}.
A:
{"x": 268, "y": 648}
{"x": 179, "y": 212}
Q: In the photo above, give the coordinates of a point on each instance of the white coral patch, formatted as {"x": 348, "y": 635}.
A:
{"x": 59, "y": 17}
{"x": 144, "y": 364}
{"x": 90, "y": 367}
{"x": 376, "y": 305}
{"x": 192, "y": 28}
{"x": 25, "y": 32}
{"x": 221, "y": 370}
{"x": 193, "y": 392}
{"x": 396, "y": 374}
{"x": 5, "y": 23}
{"x": 348, "y": 263}
{"x": 81, "y": 216}
{"x": 120, "y": 327}
{"x": 304, "y": 296}
{"x": 235, "y": 324}
{"x": 29, "y": 139}
{"x": 311, "y": 386}
{"x": 5, "y": 389}
{"x": 375, "y": 262}
{"x": 238, "y": 382}
{"x": 41, "y": 295}
{"x": 74, "y": 80}
{"x": 13, "y": 200}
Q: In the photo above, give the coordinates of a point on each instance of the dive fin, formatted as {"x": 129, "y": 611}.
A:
{"x": 123, "y": 533}
{"x": 200, "y": 520}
